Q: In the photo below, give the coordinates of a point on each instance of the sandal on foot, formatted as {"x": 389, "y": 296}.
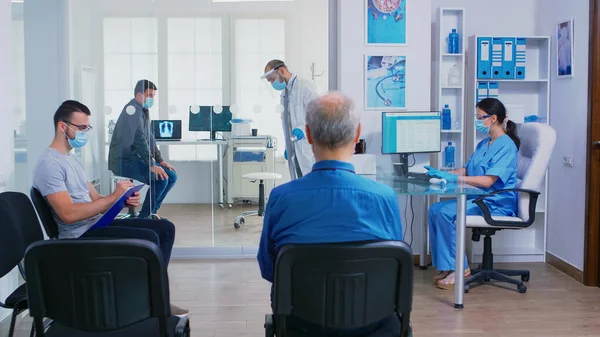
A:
{"x": 450, "y": 280}
{"x": 442, "y": 275}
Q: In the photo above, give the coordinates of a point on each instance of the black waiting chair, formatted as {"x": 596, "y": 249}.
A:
{"x": 104, "y": 288}
{"x": 341, "y": 286}
{"x": 19, "y": 227}
{"x": 45, "y": 214}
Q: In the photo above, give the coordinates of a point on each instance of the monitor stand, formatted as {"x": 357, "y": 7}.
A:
{"x": 402, "y": 166}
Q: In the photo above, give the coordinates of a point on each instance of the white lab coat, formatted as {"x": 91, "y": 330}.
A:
{"x": 300, "y": 155}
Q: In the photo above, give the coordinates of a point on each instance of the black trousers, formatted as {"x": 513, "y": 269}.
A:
{"x": 161, "y": 232}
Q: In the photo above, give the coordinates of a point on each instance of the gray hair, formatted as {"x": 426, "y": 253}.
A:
{"x": 332, "y": 120}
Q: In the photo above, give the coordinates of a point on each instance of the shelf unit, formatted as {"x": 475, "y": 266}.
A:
{"x": 522, "y": 97}
{"x": 444, "y": 93}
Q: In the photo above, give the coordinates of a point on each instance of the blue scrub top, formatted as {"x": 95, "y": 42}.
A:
{"x": 330, "y": 204}
{"x": 499, "y": 159}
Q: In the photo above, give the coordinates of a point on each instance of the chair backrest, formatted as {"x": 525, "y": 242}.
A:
{"x": 45, "y": 213}
{"x": 348, "y": 285}
{"x": 537, "y": 145}
{"x": 12, "y": 244}
{"x": 97, "y": 285}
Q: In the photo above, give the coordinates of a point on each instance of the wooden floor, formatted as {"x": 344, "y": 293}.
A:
{"x": 229, "y": 298}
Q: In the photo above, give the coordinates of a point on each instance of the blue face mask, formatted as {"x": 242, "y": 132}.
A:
{"x": 148, "y": 103}
{"x": 81, "y": 138}
{"x": 277, "y": 85}
{"x": 480, "y": 127}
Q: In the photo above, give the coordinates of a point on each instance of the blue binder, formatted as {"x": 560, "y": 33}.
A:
{"x": 493, "y": 90}
{"x": 114, "y": 210}
{"x": 482, "y": 91}
{"x": 520, "y": 58}
{"x": 497, "y": 57}
{"x": 508, "y": 58}
{"x": 484, "y": 57}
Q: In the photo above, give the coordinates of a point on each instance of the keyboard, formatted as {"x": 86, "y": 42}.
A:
{"x": 420, "y": 177}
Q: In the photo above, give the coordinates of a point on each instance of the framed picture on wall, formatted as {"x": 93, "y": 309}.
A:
{"x": 385, "y": 85}
{"x": 385, "y": 22}
{"x": 565, "y": 46}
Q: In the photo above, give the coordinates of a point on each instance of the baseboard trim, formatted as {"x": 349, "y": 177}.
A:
{"x": 564, "y": 267}
{"x": 417, "y": 259}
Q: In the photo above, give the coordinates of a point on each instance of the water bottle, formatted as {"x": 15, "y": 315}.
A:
{"x": 453, "y": 42}
{"x": 454, "y": 76}
{"x": 446, "y": 118}
{"x": 449, "y": 155}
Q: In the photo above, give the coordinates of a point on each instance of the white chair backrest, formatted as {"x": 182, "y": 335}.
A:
{"x": 537, "y": 145}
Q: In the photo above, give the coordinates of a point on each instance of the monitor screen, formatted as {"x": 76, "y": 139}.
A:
{"x": 166, "y": 129}
{"x": 411, "y": 132}
{"x": 208, "y": 120}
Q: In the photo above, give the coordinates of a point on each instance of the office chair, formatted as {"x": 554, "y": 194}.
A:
{"x": 104, "y": 288}
{"x": 537, "y": 144}
{"x": 19, "y": 227}
{"x": 45, "y": 213}
{"x": 261, "y": 177}
{"x": 341, "y": 286}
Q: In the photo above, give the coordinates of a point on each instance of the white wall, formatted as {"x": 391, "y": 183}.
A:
{"x": 569, "y": 117}
{"x": 10, "y": 281}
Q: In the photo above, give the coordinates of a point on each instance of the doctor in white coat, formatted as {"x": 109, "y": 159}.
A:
{"x": 296, "y": 93}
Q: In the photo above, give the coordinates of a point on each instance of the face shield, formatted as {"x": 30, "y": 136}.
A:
{"x": 275, "y": 79}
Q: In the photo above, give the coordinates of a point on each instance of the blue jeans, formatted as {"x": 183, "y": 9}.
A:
{"x": 139, "y": 171}
{"x": 161, "y": 232}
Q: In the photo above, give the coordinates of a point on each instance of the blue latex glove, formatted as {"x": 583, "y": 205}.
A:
{"x": 285, "y": 154}
{"x": 298, "y": 133}
{"x": 433, "y": 172}
{"x": 449, "y": 177}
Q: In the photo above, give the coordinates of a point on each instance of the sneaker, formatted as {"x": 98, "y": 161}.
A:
{"x": 155, "y": 217}
{"x": 177, "y": 311}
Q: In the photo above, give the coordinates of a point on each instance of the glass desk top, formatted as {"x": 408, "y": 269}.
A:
{"x": 408, "y": 186}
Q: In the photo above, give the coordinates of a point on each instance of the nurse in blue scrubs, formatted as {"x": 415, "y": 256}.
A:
{"x": 492, "y": 167}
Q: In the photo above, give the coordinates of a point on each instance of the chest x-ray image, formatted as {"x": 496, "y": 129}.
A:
{"x": 166, "y": 129}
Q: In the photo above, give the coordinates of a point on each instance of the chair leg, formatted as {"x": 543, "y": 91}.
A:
{"x": 509, "y": 272}
{"x": 261, "y": 198}
{"x": 494, "y": 275}
{"x": 31, "y": 334}
{"x": 476, "y": 277}
{"x": 13, "y": 321}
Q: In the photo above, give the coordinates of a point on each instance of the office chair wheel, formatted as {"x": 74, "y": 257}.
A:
{"x": 387, "y": 102}
{"x": 230, "y": 206}
{"x": 238, "y": 223}
{"x": 525, "y": 278}
{"x": 221, "y": 206}
{"x": 521, "y": 288}
{"x": 467, "y": 288}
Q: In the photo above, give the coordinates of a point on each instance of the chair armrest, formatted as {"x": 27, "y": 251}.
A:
{"x": 269, "y": 328}
{"x": 182, "y": 329}
{"x": 533, "y": 197}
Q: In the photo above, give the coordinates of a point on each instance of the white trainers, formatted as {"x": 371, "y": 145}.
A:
{"x": 177, "y": 311}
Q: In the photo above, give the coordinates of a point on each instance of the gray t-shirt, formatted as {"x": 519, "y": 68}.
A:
{"x": 57, "y": 172}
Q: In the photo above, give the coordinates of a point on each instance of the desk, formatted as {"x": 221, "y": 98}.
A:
{"x": 219, "y": 144}
{"x": 404, "y": 187}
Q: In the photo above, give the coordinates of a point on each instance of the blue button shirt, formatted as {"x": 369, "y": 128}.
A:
{"x": 330, "y": 204}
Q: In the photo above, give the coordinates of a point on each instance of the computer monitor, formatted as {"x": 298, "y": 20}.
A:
{"x": 208, "y": 120}
{"x": 411, "y": 132}
{"x": 166, "y": 129}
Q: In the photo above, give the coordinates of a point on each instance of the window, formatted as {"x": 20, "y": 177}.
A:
{"x": 130, "y": 54}
{"x": 195, "y": 70}
{"x": 257, "y": 41}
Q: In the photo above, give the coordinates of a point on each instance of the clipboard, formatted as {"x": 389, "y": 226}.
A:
{"x": 116, "y": 208}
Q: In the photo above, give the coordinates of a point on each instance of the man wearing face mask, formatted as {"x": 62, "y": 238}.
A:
{"x": 296, "y": 93}
{"x": 133, "y": 152}
{"x": 75, "y": 204}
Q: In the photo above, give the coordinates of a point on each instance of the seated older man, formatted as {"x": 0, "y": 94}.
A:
{"x": 331, "y": 203}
